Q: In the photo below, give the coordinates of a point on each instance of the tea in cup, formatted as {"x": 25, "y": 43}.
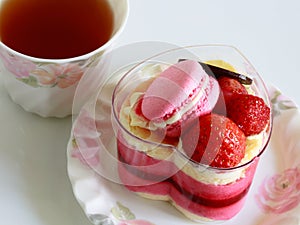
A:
{"x": 47, "y": 46}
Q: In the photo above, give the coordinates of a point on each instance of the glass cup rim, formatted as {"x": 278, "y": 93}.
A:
{"x": 196, "y": 164}
{"x": 114, "y": 36}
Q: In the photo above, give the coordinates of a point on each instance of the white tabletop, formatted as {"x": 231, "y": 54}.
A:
{"x": 267, "y": 32}
{"x": 35, "y": 189}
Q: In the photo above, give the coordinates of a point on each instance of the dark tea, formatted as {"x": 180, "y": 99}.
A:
{"x": 55, "y": 29}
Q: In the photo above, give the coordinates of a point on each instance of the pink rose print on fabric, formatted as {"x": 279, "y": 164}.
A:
{"x": 19, "y": 67}
{"x": 280, "y": 193}
{"x": 63, "y": 76}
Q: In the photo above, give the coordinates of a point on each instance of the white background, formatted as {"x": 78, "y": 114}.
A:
{"x": 34, "y": 187}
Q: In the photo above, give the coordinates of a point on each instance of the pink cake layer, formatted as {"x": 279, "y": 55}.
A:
{"x": 216, "y": 202}
{"x": 200, "y": 208}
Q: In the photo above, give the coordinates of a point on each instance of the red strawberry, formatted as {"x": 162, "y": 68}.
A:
{"x": 249, "y": 112}
{"x": 215, "y": 140}
{"x": 229, "y": 87}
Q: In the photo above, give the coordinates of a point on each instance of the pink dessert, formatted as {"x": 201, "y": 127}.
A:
{"x": 174, "y": 91}
{"x": 175, "y": 144}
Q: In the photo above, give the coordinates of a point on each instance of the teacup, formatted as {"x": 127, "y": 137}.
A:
{"x": 46, "y": 86}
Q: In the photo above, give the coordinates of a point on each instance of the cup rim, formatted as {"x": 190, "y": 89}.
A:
{"x": 80, "y": 57}
{"x": 194, "y": 163}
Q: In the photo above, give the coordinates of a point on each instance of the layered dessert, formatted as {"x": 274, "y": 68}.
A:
{"x": 190, "y": 133}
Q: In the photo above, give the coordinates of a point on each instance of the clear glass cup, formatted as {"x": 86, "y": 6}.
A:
{"x": 158, "y": 169}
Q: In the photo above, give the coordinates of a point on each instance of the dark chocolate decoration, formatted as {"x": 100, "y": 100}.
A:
{"x": 217, "y": 72}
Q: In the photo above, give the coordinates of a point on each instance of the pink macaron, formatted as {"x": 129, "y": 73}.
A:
{"x": 179, "y": 94}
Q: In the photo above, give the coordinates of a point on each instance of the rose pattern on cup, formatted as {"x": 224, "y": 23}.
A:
{"x": 47, "y": 75}
{"x": 61, "y": 75}
{"x": 17, "y": 66}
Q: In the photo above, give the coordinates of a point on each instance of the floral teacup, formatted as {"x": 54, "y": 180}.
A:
{"x": 47, "y": 86}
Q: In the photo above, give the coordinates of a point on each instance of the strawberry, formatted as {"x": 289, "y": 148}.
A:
{"x": 214, "y": 140}
{"x": 229, "y": 87}
{"x": 249, "y": 112}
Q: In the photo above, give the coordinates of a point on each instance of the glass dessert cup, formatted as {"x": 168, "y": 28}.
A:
{"x": 154, "y": 166}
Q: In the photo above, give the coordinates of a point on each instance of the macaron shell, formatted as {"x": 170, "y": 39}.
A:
{"x": 172, "y": 88}
{"x": 205, "y": 105}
